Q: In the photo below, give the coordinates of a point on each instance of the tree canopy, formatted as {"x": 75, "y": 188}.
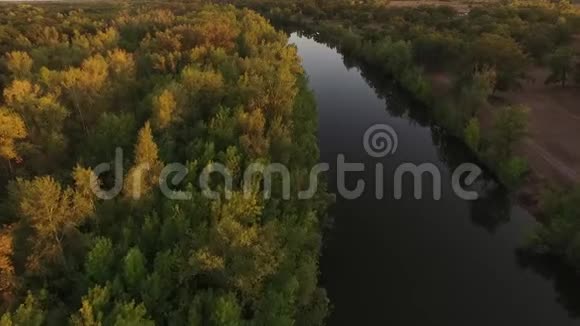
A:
{"x": 186, "y": 83}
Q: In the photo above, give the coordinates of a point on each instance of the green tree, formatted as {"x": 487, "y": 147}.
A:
{"x": 98, "y": 264}
{"x": 509, "y": 127}
{"x": 561, "y": 64}
{"x": 539, "y": 40}
{"x": 93, "y": 311}
{"x": 512, "y": 171}
{"x": 29, "y": 313}
{"x": 476, "y": 91}
{"x": 505, "y": 55}
{"x": 111, "y": 131}
{"x": 129, "y": 314}
{"x": 134, "y": 270}
{"x": 226, "y": 311}
{"x": 472, "y": 134}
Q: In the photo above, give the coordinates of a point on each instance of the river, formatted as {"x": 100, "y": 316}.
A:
{"x": 420, "y": 262}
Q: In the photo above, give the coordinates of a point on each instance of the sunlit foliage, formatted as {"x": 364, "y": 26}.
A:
{"x": 185, "y": 83}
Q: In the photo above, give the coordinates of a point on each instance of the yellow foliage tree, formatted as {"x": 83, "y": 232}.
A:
{"x": 252, "y": 125}
{"x": 53, "y": 212}
{"x": 164, "y": 107}
{"x": 11, "y": 129}
{"x": 144, "y": 174}
{"x": 7, "y": 282}
{"x": 19, "y": 64}
{"x": 216, "y": 27}
{"x": 43, "y": 118}
{"x": 84, "y": 86}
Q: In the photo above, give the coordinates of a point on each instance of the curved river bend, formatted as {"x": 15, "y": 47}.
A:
{"x": 420, "y": 262}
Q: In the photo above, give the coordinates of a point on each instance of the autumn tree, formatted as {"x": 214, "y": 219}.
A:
{"x": 12, "y": 129}
{"x": 144, "y": 174}
{"x": 43, "y": 118}
{"x": 29, "y": 313}
{"x": 53, "y": 211}
{"x": 19, "y": 64}
{"x": 164, "y": 107}
{"x": 85, "y": 88}
{"x": 7, "y": 272}
{"x": 94, "y": 307}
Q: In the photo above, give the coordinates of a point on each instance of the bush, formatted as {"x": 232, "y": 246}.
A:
{"x": 512, "y": 171}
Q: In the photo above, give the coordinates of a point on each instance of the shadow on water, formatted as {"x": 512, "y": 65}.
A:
{"x": 401, "y": 262}
{"x": 565, "y": 278}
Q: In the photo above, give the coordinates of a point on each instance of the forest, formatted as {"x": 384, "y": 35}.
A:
{"x": 163, "y": 83}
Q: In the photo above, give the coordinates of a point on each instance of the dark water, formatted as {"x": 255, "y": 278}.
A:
{"x": 421, "y": 262}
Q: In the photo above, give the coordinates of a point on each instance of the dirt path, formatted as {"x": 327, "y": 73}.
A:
{"x": 553, "y": 144}
{"x": 551, "y": 160}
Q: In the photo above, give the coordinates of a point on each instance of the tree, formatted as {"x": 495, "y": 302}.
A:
{"x": 252, "y": 125}
{"x": 99, "y": 261}
{"x": 52, "y": 211}
{"x": 93, "y": 309}
{"x": 509, "y": 127}
{"x": 122, "y": 75}
{"x": 29, "y": 313}
{"x": 146, "y": 168}
{"x": 226, "y": 311}
{"x": 43, "y": 118}
{"x": 474, "y": 91}
{"x": 561, "y": 64}
{"x": 11, "y": 129}
{"x": 539, "y": 40}
{"x": 87, "y": 87}
{"x": 164, "y": 107}
{"x": 437, "y": 49}
{"x": 512, "y": 171}
{"x": 134, "y": 270}
{"x": 502, "y": 53}
{"x": 129, "y": 314}
{"x": 7, "y": 272}
{"x": 110, "y": 132}
{"x": 472, "y": 134}
{"x": 19, "y": 64}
